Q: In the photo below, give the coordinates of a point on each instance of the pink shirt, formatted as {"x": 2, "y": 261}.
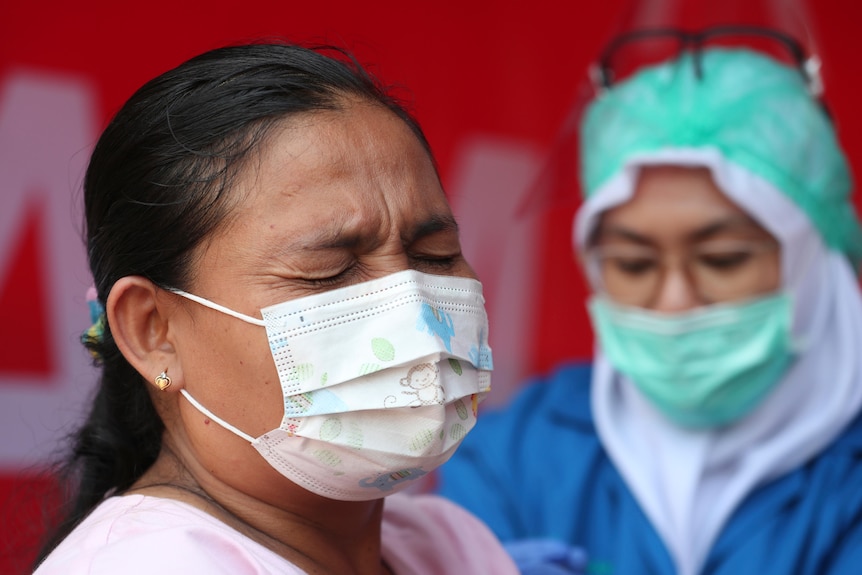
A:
{"x": 143, "y": 535}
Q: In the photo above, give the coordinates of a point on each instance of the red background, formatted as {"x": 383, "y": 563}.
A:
{"x": 507, "y": 70}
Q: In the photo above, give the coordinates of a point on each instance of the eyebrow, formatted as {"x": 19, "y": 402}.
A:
{"x": 335, "y": 238}
{"x": 619, "y": 231}
{"x": 730, "y": 223}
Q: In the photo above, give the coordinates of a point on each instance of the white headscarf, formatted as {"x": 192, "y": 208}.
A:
{"x": 689, "y": 482}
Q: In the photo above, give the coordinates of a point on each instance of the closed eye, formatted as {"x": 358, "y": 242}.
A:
{"x": 628, "y": 260}
{"x": 729, "y": 255}
{"x": 725, "y": 260}
{"x": 345, "y": 277}
{"x": 435, "y": 264}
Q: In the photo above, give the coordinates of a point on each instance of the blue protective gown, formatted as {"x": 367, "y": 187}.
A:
{"x": 538, "y": 469}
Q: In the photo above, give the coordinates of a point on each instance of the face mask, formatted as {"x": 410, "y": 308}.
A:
{"x": 381, "y": 381}
{"x": 704, "y": 368}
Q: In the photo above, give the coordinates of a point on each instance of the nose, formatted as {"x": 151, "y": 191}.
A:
{"x": 676, "y": 292}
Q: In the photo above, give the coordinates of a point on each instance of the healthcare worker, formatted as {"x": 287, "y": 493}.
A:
{"x": 718, "y": 429}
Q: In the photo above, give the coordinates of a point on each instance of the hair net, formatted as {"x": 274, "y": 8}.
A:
{"x": 753, "y": 110}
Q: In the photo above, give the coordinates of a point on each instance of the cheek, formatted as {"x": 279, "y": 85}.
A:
{"x": 228, "y": 367}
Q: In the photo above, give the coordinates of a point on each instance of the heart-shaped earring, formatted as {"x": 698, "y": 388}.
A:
{"x": 162, "y": 381}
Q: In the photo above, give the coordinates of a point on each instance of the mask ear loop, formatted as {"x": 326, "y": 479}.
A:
{"x": 241, "y": 316}
{"x": 212, "y": 305}
{"x": 216, "y": 418}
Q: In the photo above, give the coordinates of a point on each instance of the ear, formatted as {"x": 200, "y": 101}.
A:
{"x": 139, "y": 315}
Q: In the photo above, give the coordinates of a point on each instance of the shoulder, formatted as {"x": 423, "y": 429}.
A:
{"x": 510, "y": 441}
{"x": 428, "y": 534}
{"x": 836, "y": 473}
{"x": 849, "y": 443}
{"x": 838, "y": 468}
{"x": 568, "y": 380}
{"x": 561, "y": 398}
{"x": 121, "y": 534}
{"x": 822, "y": 498}
{"x": 518, "y": 453}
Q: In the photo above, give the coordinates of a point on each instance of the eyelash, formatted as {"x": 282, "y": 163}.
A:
{"x": 726, "y": 261}
{"x": 340, "y": 278}
{"x": 438, "y": 263}
{"x": 634, "y": 266}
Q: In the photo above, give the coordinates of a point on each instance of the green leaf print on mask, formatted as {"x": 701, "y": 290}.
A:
{"x": 383, "y": 349}
{"x": 457, "y": 432}
{"x": 299, "y": 404}
{"x": 421, "y": 440}
{"x": 367, "y": 368}
{"x": 303, "y": 371}
{"x": 323, "y": 379}
{"x": 330, "y": 429}
{"x": 461, "y": 409}
{"x": 333, "y": 429}
{"x": 456, "y": 365}
{"x": 328, "y": 458}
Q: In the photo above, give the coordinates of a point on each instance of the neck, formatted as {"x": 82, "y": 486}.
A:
{"x": 318, "y": 535}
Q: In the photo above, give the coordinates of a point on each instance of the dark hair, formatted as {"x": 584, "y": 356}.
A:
{"x": 159, "y": 183}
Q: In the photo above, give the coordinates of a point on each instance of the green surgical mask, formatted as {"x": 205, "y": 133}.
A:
{"x": 704, "y": 368}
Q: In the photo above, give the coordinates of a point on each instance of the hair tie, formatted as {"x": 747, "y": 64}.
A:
{"x": 96, "y": 331}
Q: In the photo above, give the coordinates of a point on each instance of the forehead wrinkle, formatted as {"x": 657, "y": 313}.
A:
{"x": 360, "y": 220}
{"x": 342, "y": 229}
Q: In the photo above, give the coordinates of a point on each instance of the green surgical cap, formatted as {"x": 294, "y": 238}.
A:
{"x": 756, "y": 112}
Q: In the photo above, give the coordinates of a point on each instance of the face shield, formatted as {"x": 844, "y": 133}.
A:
{"x": 651, "y": 33}
{"x": 735, "y": 110}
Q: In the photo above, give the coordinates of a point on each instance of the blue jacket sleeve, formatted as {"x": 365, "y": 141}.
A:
{"x": 482, "y": 475}
{"x": 845, "y": 557}
{"x": 493, "y": 472}
{"x": 536, "y": 470}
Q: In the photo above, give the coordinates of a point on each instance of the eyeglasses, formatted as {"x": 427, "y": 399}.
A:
{"x": 717, "y": 271}
{"x": 628, "y": 52}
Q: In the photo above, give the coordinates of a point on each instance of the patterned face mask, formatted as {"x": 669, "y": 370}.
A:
{"x": 381, "y": 381}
